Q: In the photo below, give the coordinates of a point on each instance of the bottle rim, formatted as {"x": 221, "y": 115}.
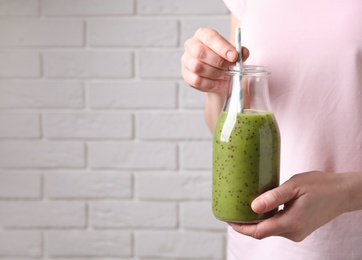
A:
{"x": 250, "y": 70}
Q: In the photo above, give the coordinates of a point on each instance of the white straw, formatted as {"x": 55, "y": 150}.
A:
{"x": 236, "y": 104}
{"x": 238, "y": 45}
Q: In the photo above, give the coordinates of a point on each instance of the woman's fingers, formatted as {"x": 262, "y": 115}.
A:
{"x": 279, "y": 225}
{"x": 206, "y": 60}
{"x": 275, "y": 226}
{"x": 196, "y": 50}
{"x": 203, "y": 83}
{"x": 274, "y": 198}
{"x": 217, "y": 44}
{"x": 203, "y": 69}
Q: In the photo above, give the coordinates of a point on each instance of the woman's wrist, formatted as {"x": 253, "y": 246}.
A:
{"x": 353, "y": 186}
{"x": 213, "y": 107}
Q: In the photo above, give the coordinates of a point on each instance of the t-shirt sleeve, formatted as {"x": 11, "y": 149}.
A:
{"x": 236, "y": 7}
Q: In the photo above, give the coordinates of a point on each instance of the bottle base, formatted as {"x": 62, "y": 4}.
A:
{"x": 242, "y": 221}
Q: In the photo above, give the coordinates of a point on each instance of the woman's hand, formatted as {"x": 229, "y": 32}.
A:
{"x": 310, "y": 200}
{"x": 206, "y": 58}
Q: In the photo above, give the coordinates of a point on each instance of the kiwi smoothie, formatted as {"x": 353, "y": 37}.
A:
{"x": 245, "y": 165}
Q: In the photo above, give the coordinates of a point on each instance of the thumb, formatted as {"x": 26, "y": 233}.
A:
{"x": 273, "y": 198}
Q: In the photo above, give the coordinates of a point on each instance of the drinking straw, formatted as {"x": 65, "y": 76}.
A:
{"x": 238, "y": 46}
{"x": 237, "y": 99}
{"x": 236, "y": 104}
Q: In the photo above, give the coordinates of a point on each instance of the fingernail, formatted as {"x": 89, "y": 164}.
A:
{"x": 231, "y": 55}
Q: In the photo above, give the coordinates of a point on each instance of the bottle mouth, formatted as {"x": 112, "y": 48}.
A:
{"x": 250, "y": 70}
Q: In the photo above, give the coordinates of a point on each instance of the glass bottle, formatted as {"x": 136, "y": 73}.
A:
{"x": 246, "y": 147}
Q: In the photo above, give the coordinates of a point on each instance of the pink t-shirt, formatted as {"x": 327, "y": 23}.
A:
{"x": 314, "y": 51}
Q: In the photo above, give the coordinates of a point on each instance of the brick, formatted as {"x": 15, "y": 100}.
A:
{"x": 88, "y": 125}
{"x": 20, "y": 243}
{"x": 188, "y": 27}
{"x": 88, "y": 185}
{"x": 20, "y": 185}
{"x": 88, "y": 64}
{"x": 160, "y": 64}
{"x": 133, "y": 94}
{"x": 42, "y": 33}
{"x": 19, "y": 7}
{"x": 89, "y": 243}
{"x": 41, "y": 94}
{"x": 186, "y": 7}
{"x": 185, "y": 245}
{"x": 34, "y": 154}
{"x": 21, "y": 258}
{"x": 142, "y": 33}
{"x": 196, "y": 155}
{"x": 107, "y": 214}
{"x": 132, "y": 155}
{"x": 190, "y": 97}
{"x": 173, "y": 186}
{"x": 86, "y": 7}
{"x": 19, "y": 125}
{"x": 198, "y": 215}
{"x": 92, "y": 258}
{"x": 19, "y": 64}
{"x": 42, "y": 214}
{"x": 175, "y": 125}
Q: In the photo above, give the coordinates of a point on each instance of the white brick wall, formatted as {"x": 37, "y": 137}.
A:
{"x": 19, "y": 64}
{"x": 19, "y": 7}
{"x": 87, "y": 64}
{"x": 104, "y": 153}
{"x": 34, "y": 32}
{"x": 41, "y": 94}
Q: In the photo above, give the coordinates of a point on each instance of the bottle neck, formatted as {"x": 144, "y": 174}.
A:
{"x": 248, "y": 90}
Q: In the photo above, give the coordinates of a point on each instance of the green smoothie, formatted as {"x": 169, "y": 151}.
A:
{"x": 245, "y": 164}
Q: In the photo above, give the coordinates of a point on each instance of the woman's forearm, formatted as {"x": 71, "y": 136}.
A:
{"x": 213, "y": 107}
